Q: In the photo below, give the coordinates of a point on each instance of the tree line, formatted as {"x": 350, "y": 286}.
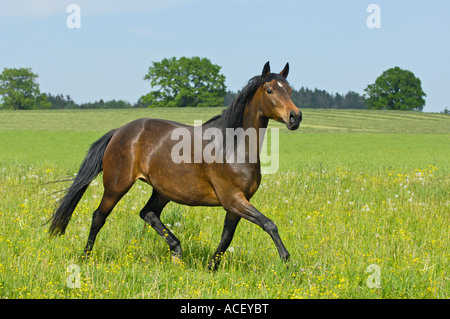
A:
{"x": 304, "y": 98}
{"x": 318, "y": 99}
{"x": 192, "y": 82}
{"x": 61, "y": 101}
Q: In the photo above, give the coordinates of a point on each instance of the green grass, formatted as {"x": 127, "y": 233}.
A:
{"x": 354, "y": 188}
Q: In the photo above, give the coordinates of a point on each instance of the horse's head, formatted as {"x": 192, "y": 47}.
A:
{"x": 276, "y": 100}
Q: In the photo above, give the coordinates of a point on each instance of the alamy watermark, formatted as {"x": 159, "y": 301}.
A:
{"x": 235, "y": 145}
{"x": 374, "y": 280}
{"x": 73, "y": 280}
{"x": 374, "y": 19}
{"x": 73, "y": 21}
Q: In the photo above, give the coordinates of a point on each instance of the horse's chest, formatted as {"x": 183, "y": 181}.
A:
{"x": 247, "y": 180}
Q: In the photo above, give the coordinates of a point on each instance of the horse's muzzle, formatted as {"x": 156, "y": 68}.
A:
{"x": 294, "y": 120}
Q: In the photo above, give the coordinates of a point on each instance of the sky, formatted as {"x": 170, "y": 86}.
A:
{"x": 327, "y": 43}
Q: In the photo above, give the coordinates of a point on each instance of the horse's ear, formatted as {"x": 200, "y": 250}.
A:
{"x": 266, "y": 70}
{"x": 285, "y": 71}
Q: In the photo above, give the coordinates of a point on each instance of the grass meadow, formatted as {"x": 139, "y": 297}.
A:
{"x": 361, "y": 200}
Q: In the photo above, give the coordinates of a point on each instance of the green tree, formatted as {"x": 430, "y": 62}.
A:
{"x": 61, "y": 102}
{"x": 396, "y": 89}
{"x": 185, "y": 82}
{"x": 20, "y": 91}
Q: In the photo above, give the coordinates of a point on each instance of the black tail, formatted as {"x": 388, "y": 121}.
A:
{"x": 91, "y": 166}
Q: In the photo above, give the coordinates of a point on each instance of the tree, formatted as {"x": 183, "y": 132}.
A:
{"x": 229, "y": 97}
{"x": 396, "y": 89}
{"x": 20, "y": 91}
{"x": 185, "y": 82}
{"x": 306, "y": 98}
{"x": 61, "y": 102}
{"x": 353, "y": 100}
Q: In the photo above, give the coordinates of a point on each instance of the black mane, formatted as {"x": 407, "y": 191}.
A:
{"x": 232, "y": 116}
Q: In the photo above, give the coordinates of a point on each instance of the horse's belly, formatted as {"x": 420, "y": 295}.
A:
{"x": 184, "y": 188}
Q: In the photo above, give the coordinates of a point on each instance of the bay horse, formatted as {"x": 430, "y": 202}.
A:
{"x": 142, "y": 148}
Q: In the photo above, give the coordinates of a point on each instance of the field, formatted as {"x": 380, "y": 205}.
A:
{"x": 361, "y": 201}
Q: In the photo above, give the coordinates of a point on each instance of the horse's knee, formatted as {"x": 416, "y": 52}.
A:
{"x": 143, "y": 214}
{"x": 270, "y": 227}
{"x": 149, "y": 217}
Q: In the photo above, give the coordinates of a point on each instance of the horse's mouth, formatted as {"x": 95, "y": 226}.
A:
{"x": 293, "y": 127}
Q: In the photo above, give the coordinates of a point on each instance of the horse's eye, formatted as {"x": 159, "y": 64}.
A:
{"x": 269, "y": 91}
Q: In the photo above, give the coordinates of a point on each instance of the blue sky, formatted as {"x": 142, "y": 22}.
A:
{"x": 327, "y": 43}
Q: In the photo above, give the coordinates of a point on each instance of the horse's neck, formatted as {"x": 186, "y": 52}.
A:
{"x": 253, "y": 116}
{"x": 254, "y": 119}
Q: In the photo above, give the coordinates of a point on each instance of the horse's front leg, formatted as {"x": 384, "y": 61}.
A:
{"x": 242, "y": 207}
{"x": 229, "y": 227}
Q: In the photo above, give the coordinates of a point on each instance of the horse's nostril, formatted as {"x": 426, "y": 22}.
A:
{"x": 292, "y": 117}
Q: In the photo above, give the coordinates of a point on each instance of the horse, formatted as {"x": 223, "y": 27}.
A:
{"x": 142, "y": 149}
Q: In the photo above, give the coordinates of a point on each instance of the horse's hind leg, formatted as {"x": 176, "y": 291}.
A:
{"x": 151, "y": 215}
{"x": 110, "y": 199}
